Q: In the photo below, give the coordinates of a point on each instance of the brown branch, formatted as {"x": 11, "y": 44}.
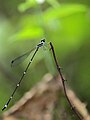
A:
{"x": 63, "y": 82}
{"x": 41, "y": 99}
{"x": 81, "y": 107}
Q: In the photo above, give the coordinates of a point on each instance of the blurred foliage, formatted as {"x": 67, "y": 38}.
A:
{"x": 65, "y": 23}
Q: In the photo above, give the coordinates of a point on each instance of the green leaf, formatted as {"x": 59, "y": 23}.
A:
{"x": 28, "y": 4}
{"x": 29, "y": 33}
{"x": 67, "y": 26}
{"x": 28, "y": 28}
{"x": 64, "y": 10}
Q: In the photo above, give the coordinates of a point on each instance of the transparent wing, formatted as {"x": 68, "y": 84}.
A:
{"x": 21, "y": 58}
{"x": 46, "y": 46}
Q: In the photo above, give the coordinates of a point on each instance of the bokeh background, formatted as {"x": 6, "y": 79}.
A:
{"x": 66, "y": 23}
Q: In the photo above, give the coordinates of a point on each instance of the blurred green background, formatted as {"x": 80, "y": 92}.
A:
{"x": 66, "y": 23}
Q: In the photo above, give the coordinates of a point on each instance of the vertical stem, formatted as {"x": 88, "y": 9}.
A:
{"x": 63, "y": 83}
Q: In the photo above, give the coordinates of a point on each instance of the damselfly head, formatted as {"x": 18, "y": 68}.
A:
{"x": 43, "y": 41}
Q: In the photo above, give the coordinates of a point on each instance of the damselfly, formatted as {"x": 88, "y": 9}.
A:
{"x": 42, "y": 43}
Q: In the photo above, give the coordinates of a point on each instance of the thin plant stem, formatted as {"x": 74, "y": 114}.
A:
{"x": 63, "y": 83}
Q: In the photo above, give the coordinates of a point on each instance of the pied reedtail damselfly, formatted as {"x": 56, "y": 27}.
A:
{"x": 42, "y": 43}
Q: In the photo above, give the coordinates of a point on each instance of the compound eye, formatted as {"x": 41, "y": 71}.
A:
{"x": 43, "y": 40}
